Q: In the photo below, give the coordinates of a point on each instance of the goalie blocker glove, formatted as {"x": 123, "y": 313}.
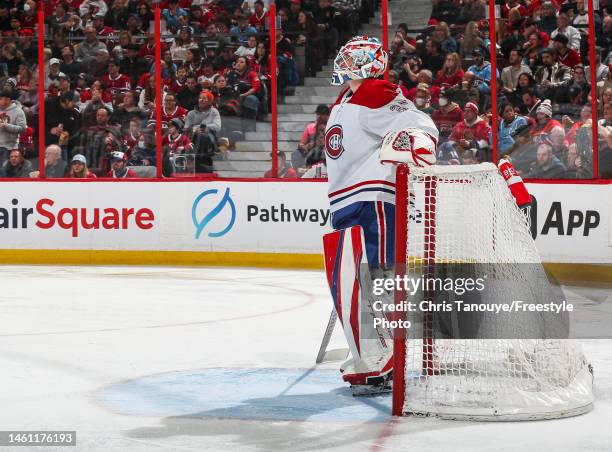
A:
{"x": 412, "y": 146}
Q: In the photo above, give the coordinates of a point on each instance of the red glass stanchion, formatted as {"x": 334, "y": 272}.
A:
{"x": 493, "y": 56}
{"x": 385, "y": 31}
{"x": 593, "y": 81}
{"x": 158, "y": 94}
{"x": 273, "y": 85}
{"x": 41, "y": 91}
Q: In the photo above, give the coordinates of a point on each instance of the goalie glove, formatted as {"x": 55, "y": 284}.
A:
{"x": 412, "y": 146}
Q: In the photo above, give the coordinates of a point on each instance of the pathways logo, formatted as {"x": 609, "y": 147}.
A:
{"x": 224, "y": 210}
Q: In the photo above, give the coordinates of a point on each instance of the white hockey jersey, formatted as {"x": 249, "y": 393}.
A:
{"x": 355, "y": 130}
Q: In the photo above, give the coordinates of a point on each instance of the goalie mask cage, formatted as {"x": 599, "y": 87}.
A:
{"x": 467, "y": 214}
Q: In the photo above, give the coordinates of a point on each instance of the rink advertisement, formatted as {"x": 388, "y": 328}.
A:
{"x": 257, "y": 218}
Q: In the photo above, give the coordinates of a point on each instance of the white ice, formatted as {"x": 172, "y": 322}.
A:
{"x": 145, "y": 359}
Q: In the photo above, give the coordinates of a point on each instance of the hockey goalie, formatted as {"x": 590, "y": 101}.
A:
{"x": 371, "y": 122}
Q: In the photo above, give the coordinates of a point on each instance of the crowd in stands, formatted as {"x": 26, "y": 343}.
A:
{"x": 543, "y": 83}
{"x": 99, "y": 86}
{"x": 100, "y": 96}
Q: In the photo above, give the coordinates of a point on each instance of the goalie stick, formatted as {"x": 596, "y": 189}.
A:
{"x": 337, "y": 354}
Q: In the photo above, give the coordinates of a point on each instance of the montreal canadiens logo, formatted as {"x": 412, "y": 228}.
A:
{"x": 333, "y": 142}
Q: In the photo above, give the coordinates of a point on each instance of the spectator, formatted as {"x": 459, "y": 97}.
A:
{"x": 572, "y": 126}
{"x": 511, "y": 73}
{"x": 482, "y": 71}
{"x": 446, "y": 115}
{"x": 548, "y": 19}
{"x": 471, "y": 40}
{"x": 99, "y": 140}
{"x": 170, "y": 110}
{"x": 307, "y": 140}
{"x": 509, "y": 127}
{"x": 132, "y": 64}
{"x": 98, "y": 67}
{"x": 78, "y": 168}
{"x": 204, "y": 124}
{"x": 442, "y": 35}
{"x": 533, "y": 50}
{"x": 54, "y": 165}
{"x": 604, "y": 39}
{"x": 118, "y": 163}
{"x": 558, "y": 143}
{"x": 188, "y": 97}
{"x": 544, "y": 122}
{"x": 284, "y": 169}
{"x": 12, "y": 123}
{"x": 87, "y": 51}
{"x": 309, "y": 37}
{"x": 213, "y": 41}
{"x": 565, "y": 55}
{"x": 471, "y": 133}
{"x": 115, "y": 82}
{"x": 577, "y": 79}
{"x": 181, "y": 45}
{"x": 16, "y": 166}
{"x": 69, "y": 66}
{"x": 551, "y": 74}
{"x": 546, "y": 166}
{"x": 89, "y": 8}
{"x": 471, "y": 10}
{"x": 325, "y": 17}
{"x": 129, "y": 109}
{"x": 172, "y": 15}
{"x": 243, "y": 30}
{"x": 224, "y": 61}
{"x": 246, "y": 82}
{"x": 467, "y": 91}
{"x": 247, "y": 50}
{"x": 422, "y": 99}
{"x": 62, "y": 119}
{"x": 394, "y": 78}
{"x": 433, "y": 59}
{"x": 529, "y": 104}
{"x": 261, "y": 62}
{"x": 451, "y": 73}
{"x": 175, "y": 140}
{"x": 259, "y": 16}
{"x": 89, "y": 115}
{"x": 226, "y": 97}
{"x": 564, "y": 28}
{"x": 601, "y": 70}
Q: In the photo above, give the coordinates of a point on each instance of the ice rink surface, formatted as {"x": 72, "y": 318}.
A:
{"x": 192, "y": 359}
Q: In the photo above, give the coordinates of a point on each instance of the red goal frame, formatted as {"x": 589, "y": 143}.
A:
{"x": 402, "y": 195}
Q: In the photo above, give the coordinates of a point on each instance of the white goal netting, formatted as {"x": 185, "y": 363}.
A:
{"x": 485, "y": 365}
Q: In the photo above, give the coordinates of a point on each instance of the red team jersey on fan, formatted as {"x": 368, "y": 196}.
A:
{"x": 119, "y": 84}
{"x": 355, "y": 130}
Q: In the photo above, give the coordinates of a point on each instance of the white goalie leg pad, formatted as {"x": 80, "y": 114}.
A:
{"x": 349, "y": 279}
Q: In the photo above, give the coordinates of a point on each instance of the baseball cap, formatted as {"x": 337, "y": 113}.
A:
{"x": 117, "y": 155}
{"x": 478, "y": 51}
{"x": 561, "y": 38}
{"x": 53, "y": 61}
{"x": 79, "y": 158}
{"x": 322, "y": 109}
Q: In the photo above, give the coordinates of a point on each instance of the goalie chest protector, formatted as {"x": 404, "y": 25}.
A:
{"x": 355, "y": 129}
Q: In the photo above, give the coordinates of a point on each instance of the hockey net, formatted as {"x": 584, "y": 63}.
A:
{"x": 460, "y": 216}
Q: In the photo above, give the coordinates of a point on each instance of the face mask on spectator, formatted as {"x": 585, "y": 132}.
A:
{"x": 419, "y": 101}
{"x": 443, "y": 102}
